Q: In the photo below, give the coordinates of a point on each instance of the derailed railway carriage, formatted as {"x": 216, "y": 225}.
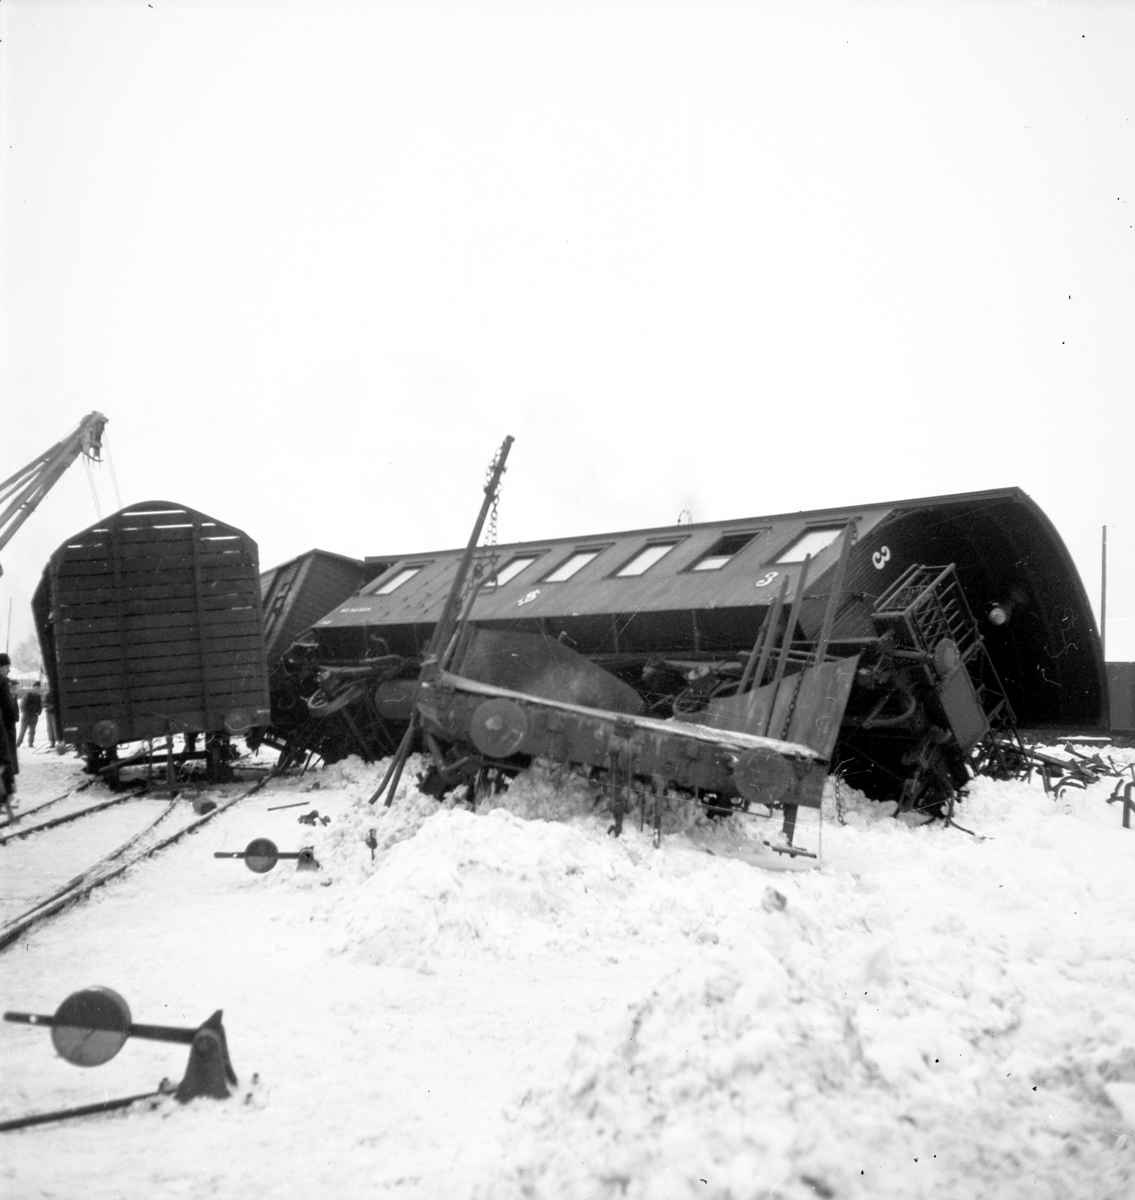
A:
{"x": 149, "y": 623}
{"x": 902, "y": 643}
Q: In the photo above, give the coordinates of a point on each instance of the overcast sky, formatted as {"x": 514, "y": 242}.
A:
{"x": 314, "y": 260}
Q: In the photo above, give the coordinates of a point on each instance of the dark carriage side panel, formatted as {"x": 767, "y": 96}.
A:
{"x": 1121, "y": 690}
{"x": 298, "y": 593}
{"x": 1007, "y": 554}
{"x": 154, "y": 626}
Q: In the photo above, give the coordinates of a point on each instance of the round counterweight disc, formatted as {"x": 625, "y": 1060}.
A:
{"x": 498, "y": 727}
{"x": 91, "y": 1026}
{"x": 762, "y": 777}
{"x": 261, "y": 855}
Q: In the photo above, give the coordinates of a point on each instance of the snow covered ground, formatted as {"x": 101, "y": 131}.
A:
{"x": 510, "y": 1003}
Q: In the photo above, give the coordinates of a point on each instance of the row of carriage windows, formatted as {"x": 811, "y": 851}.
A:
{"x": 722, "y": 552}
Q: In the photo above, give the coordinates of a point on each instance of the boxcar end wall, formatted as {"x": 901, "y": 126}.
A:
{"x": 150, "y": 624}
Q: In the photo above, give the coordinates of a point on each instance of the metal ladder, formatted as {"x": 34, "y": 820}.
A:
{"x": 924, "y": 607}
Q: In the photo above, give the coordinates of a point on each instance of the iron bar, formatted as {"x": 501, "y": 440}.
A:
{"x": 793, "y": 615}
{"x": 774, "y": 621}
{"x": 82, "y": 1110}
{"x": 441, "y": 636}
{"x": 836, "y": 593}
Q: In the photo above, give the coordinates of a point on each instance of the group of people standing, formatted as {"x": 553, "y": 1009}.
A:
{"x": 26, "y": 712}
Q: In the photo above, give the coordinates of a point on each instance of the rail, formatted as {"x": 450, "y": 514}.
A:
{"x": 108, "y": 867}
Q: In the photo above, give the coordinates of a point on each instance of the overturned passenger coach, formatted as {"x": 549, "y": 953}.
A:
{"x": 901, "y": 644}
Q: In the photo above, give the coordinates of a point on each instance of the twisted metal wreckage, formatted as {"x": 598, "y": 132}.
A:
{"x": 733, "y": 664}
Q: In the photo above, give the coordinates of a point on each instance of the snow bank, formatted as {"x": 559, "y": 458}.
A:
{"x": 931, "y": 1011}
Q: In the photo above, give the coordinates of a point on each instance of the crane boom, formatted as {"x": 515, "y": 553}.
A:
{"x": 22, "y": 492}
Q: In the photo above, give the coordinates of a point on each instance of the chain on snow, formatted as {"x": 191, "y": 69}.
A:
{"x": 838, "y": 800}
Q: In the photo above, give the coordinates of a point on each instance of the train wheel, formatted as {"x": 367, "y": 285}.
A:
{"x": 96, "y": 761}
{"x": 217, "y": 761}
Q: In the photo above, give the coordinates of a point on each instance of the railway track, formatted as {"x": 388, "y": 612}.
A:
{"x": 22, "y": 813}
{"x": 173, "y": 820}
{"x": 15, "y": 831}
{"x": 63, "y": 812}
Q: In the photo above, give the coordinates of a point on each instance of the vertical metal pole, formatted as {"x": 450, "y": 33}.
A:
{"x": 1103, "y": 596}
{"x": 836, "y": 593}
{"x": 443, "y": 630}
{"x": 794, "y": 607}
{"x": 755, "y": 652}
{"x": 773, "y": 621}
{"x": 443, "y": 640}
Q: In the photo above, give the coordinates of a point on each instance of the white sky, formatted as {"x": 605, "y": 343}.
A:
{"x": 314, "y": 260}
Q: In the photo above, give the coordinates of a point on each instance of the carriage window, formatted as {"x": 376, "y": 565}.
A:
{"x": 810, "y": 542}
{"x": 396, "y": 581}
{"x": 511, "y": 570}
{"x": 646, "y": 558}
{"x": 723, "y": 550}
{"x": 569, "y": 567}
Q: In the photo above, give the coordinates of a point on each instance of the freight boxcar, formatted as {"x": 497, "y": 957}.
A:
{"x": 965, "y": 613}
{"x": 150, "y": 625}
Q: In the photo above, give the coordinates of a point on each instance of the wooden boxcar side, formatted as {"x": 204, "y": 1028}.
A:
{"x": 150, "y": 624}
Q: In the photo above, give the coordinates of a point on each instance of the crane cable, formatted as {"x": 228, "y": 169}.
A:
{"x": 87, "y": 460}
{"x": 110, "y": 463}
{"x": 91, "y": 481}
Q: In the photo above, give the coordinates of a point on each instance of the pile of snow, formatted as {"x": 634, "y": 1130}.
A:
{"x": 946, "y": 1014}
{"x": 930, "y": 1010}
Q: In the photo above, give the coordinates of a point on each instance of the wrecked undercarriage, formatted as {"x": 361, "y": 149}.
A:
{"x": 734, "y": 664}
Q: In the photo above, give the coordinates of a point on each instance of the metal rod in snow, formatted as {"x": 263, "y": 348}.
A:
{"x": 1103, "y": 597}
{"x": 394, "y": 767}
{"x": 83, "y": 1110}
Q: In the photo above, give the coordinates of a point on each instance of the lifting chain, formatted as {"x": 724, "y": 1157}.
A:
{"x": 491, "y": 539}
{"x": 485, "y": 563}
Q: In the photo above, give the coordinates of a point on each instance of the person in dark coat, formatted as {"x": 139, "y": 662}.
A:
{"x": 7, "y": 775}
{"x": 9, "y": 764}
{"x": 30, "y": 708}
